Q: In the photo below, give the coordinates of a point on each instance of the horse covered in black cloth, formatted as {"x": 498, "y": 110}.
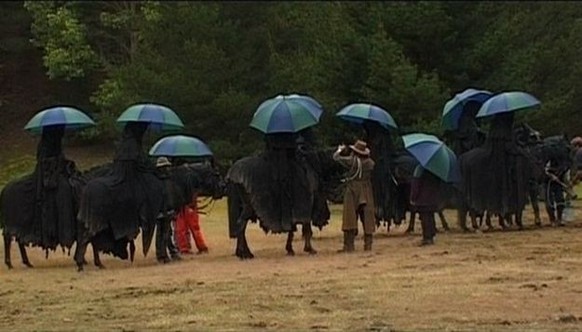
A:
{"x": 100, "y": 209}
{"x": 114, "y": 208}
{"x": 281, "y": 187}
{"x": 39, "y": 209}
{"x": 495, "y": 176}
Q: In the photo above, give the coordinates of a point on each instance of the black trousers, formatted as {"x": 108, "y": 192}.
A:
{"x": 428, "y": 224}
{"x": 165, "y": 238}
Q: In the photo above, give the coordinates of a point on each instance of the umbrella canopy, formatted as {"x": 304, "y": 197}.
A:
{"x": 159, "y": 117}
{"x": 71, "y": 118}
{"x": 286, "y": 114}
{"x": 508, "y": 102}
{"x": 358, "y": 113}
{"x": 454, "y": 108}
{"x": 433, "y": 155}
{"x": 180, "y": 146}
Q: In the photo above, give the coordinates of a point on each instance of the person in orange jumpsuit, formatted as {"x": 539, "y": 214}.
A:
{"x": 188, "y": 223}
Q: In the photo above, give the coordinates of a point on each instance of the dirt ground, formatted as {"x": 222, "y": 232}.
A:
{"x": 529, "y": 280}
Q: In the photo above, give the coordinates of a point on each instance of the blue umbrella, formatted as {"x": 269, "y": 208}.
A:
{"x": 508, "y": 102}
{"x": 69, "y": 117}
{"x": 358, "y": 113}
{"x": 433, "y": 155}
{"x": 286, "y": 114}
{"x": 159, "y": 117}
{"x": 454, "y": 108}
{"x": 180, "y": 146}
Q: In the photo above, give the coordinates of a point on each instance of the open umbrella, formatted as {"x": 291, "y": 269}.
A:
{"x": 286, "y": 114}
{"x": 180, "y": 146}
{"x": 454, "y": 108}
{"x": 433, "y": 155}
{"x": 71, "y": 118}
{"x": 159, "y": 117}
{"x": 508, "y": 102}
{"x": 358, "y": 113}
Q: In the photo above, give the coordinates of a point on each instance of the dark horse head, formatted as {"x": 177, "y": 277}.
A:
{"x": 199, "y": 179}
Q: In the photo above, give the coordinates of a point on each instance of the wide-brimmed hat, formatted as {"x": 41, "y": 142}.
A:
{"x": 576, "y": 141}
{"x": 360, "y": 147}
{"x": 163, "y": 161}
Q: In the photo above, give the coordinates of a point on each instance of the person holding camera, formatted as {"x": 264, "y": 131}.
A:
{"x": 358, "y": 197}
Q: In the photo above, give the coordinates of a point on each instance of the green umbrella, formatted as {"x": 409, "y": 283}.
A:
{"x": 69, "y": 117}
{"x": 159, "y": 117}
{"x": 286, "y": 114}
{"x": 433, "y": 155}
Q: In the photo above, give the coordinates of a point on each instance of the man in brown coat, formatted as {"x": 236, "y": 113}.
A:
{"x": 358, "y": 197}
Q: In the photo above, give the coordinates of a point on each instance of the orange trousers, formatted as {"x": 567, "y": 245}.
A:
{"x": 188, "y": 222}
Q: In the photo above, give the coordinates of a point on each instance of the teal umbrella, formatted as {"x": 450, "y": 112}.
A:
{"x": 508, "y": 102}
{"x": 358, "y": 113}
{"x": 180, "y": 146}
{"x": 433, "y": 155}
{"x": 159, "y": 117}
{"x": 69, "y": 117}
{"x": 286, "y": 114}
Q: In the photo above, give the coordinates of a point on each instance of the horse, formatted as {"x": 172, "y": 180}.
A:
{"x": 540, "y": 151}
{"x": 17, "y": 221}
{"x": 97, "y": 206}
{"x": 249, "y": 197}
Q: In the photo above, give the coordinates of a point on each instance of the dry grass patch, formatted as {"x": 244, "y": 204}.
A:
{"x": 530, "y": 280}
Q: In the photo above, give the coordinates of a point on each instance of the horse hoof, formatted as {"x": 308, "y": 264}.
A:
{"x": 27, "y": 264}
{"x": 311, "y": 251}
{"x": 100, "y": 266}
{"x": 80, "y": 268}
{"x": 9, "y": 265}
{"x": 290, "y": 253}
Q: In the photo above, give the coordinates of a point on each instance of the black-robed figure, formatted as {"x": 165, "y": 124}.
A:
{"x": 499, "y": 175}
{"x": 40, "y": 209}
{"x": 384, "y": 184}
{"x": 125, "y": 200}
{"x": 465, "y": 138}
{"x": 291, "y": 197}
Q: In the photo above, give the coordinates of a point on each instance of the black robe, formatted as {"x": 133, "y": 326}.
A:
{"x": 127, "y": 199}
{"x": 40, "y": 209}
{"x": 499, "y": 171}
{"x": 384, "y": 185}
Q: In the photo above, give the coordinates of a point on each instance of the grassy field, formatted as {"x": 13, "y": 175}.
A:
{"x": 529, "y": 280}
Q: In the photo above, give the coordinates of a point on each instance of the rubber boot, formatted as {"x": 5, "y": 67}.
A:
{"x": 351, "y": 239}
{"x": 345, "y": 247}
{"x": 368, "y": 242}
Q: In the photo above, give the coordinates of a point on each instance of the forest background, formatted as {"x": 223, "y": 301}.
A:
{"x": 215, "y": 62}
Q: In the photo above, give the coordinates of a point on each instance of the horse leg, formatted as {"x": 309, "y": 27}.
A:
{"x": 289, "y": 245}
{"x": 443, "y": 221}
{"x": 242, "y": 248}
{"x": 7, "y": 259}
{"x": 462, "y": 219}
{"x": 80, "y": 253}
{"x": 307, "y": 235}
{"x": 96, "y": 259}
{"x": 518, "y": 221}
{"x": 24, "y": 255}
{"x": 502, "y": 222}
{"x": 131, "y": 250}
{"x": 410, "y": 228}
